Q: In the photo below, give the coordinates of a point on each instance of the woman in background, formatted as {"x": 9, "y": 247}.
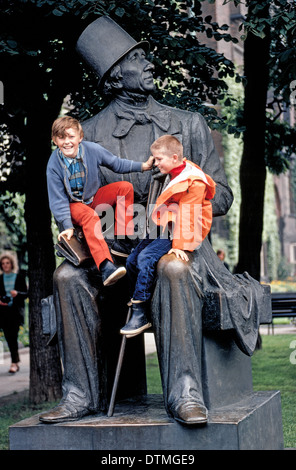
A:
{"x": 13, "y": 291}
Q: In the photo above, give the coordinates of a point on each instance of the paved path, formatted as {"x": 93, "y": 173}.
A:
{"x": 19, "y": 382}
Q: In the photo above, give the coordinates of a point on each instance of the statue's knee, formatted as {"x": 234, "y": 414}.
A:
{"x": 172, "y": 267}
{"x": 66, "y": 273}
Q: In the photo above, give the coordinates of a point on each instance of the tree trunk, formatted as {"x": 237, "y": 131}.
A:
{"x": 24, "y": 89}
{"x": 45, "y": 369}
{"x": 253, "y": 169}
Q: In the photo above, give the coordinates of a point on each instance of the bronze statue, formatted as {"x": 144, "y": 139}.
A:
{"x": 127, "y": 127}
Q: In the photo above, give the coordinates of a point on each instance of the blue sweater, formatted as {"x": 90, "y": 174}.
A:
{"x": 59, "y": 191}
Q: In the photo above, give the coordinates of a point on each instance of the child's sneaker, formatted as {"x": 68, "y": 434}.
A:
{"x": 111, "y": 273}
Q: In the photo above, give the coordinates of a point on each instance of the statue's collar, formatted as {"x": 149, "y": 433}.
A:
{"x": 129, "y": 114}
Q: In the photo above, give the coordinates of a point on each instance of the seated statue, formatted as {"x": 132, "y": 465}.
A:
{"x": 186, "y": 293}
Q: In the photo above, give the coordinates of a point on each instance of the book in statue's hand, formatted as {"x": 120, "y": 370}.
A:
{"x": 74, "y": 250}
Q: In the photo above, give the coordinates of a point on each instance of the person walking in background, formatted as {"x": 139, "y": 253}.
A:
{"x": 13, "y": 291}
{"x": 221, "y": 255}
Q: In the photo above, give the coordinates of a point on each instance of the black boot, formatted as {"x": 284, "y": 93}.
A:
{"x": 111, "y": 273}
{"x": 138, "y": 322}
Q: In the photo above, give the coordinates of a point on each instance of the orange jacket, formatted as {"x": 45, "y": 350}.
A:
{"x": 185, "y": 205}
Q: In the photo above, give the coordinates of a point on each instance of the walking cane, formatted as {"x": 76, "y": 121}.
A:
{"x": 118, "y": 369}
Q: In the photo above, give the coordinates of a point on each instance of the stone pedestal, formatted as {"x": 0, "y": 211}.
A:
{"x": 142, "y": 424}
{"x": 239, "y": 418}
{"x": 226, "y": 370}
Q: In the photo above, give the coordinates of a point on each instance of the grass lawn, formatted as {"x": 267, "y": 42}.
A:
{"x": 273, "y": 369}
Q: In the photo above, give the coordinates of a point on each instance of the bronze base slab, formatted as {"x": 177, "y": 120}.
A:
{"x": 141, "y": 423}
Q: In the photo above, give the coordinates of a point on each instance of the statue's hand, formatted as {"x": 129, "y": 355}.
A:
{"x": 67, "y": 233}
{"x": 179, "y": 253}
{"x": 148, "y": 164}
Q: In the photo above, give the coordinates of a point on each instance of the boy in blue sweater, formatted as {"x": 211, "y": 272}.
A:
{"x": 75, "y": 191}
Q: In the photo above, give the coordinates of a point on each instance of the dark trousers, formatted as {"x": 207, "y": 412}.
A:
{"x": 141, "y": 266}
{"x": 10, "y": 327}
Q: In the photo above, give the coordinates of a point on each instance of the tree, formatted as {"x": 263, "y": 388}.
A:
{"x": 253, "y": 167}
{"x": 12, "y": 211}
{"x": 39, "y": 68}
{"x": 33, "y": 99}
{"x": 269, "y": 63}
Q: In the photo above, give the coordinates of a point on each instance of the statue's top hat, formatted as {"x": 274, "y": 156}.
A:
{"x": 103, "y": 43}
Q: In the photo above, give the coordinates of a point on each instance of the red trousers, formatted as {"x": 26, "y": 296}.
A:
{"x": 120, "y": 195}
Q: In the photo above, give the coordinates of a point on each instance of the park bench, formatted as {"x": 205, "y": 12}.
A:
{"x": 283, "y": 306}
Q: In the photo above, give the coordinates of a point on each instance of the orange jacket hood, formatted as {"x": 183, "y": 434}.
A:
{"x": 186, "y": 203}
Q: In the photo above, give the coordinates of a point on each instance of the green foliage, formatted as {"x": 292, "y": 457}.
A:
{"x": 280, "y": 23}
{"x": 283, "y": 48}
{"x": 12, "y": 217}
{"x": 280, "y": 140}
{"x": 233, "y": 148}
{"x": 188, "y": 73}
{"x": 39, "y": 37}
{"x": 11, "y": 155}
{"x": 171, "y": 31}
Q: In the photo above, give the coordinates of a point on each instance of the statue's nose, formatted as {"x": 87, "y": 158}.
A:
{"x": 149, "y": 66}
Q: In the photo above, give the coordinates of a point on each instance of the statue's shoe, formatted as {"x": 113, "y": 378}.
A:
{"x": 190, "y": 413}
{"x": 62, "y": 413}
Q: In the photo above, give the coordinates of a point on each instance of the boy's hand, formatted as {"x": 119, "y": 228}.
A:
{"x": 67, "y": 233}
{"x": 148, "y": 164}
{"x": 179, "y": 253}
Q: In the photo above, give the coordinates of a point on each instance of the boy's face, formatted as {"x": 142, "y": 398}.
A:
{"x": 164, "y": 162}
{"x": 69, "y": 143}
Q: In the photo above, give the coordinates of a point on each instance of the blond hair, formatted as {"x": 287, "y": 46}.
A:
{"x": 63, "y": 123}
{"x": 12, "y": 258}
{"x": 168, "y": 144}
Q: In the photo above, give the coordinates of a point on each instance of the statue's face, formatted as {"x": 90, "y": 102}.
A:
{"x": 137, "y": 72}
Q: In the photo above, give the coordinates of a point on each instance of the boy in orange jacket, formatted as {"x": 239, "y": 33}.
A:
{"x": 183, "y": 213}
